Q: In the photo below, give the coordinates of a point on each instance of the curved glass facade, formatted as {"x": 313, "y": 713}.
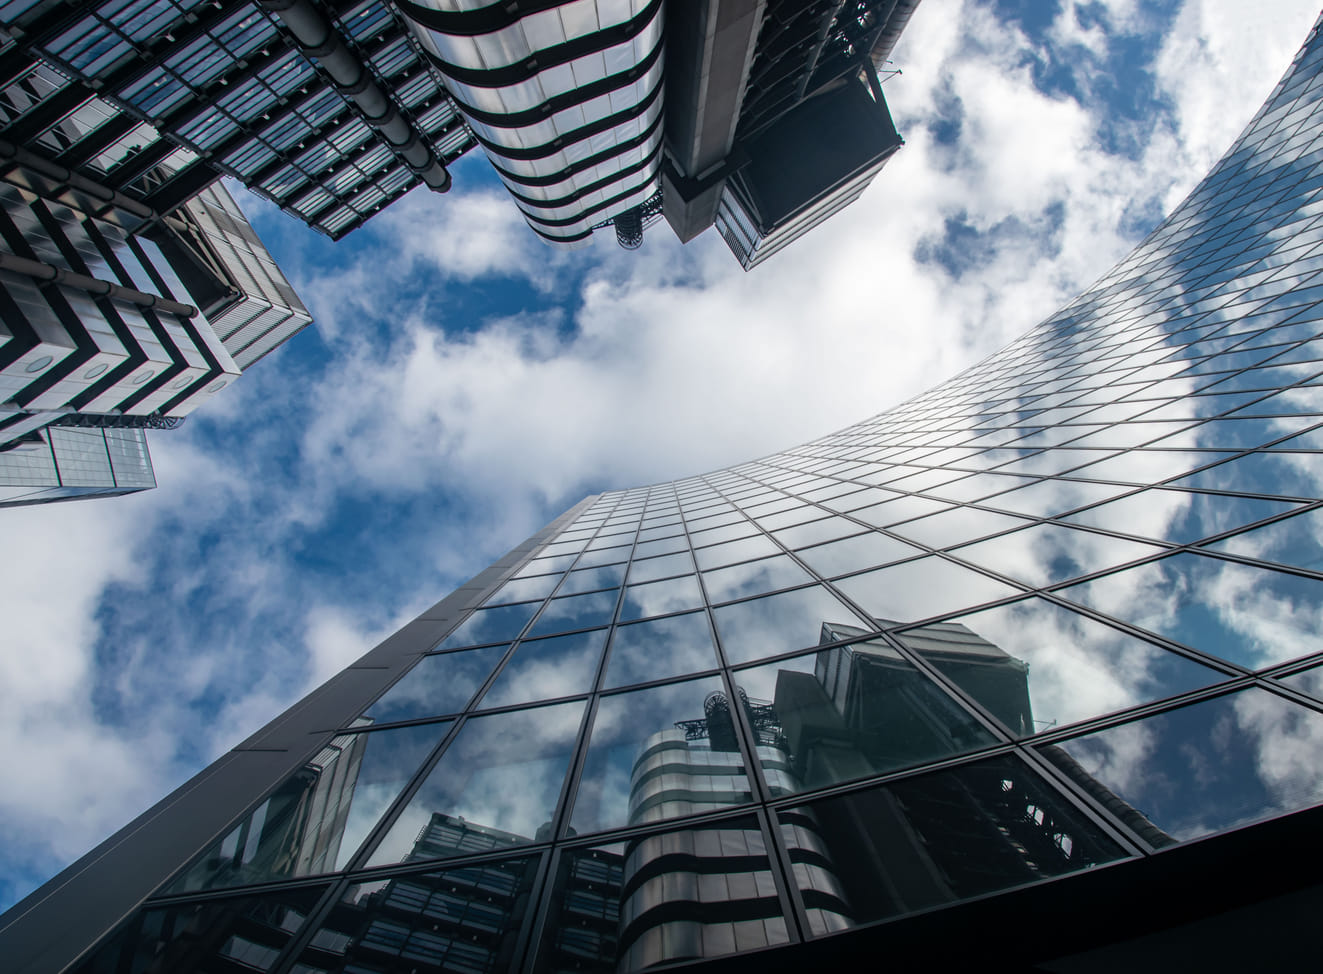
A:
{"x": 1059, "y": 613}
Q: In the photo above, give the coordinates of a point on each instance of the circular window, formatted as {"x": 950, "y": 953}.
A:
{"x": 217, "y": 386}
{"x": 38, "y": 364}
{"x": 181, "y": 383}
{"x": 143, "y": 378}
{"x": 96, "y": 370}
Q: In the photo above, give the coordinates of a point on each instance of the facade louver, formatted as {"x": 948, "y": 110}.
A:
{"x": 1022, "y": 671}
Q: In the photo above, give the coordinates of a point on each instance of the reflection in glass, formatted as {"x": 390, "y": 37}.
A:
{"x": 232, "y": 933}
{"x": 1208, "y": 767}
{"x": 753, "y": 578}
{"x": 733, "y": 551}
{"x": 491, "y": 626}
{"x": 869, "y": 550}
{"x": 651, "y": 569}
{"x": 315, "y": 821}
{"x": 1296, "y": 541}
{"x": 1178, "y": 516}
{"x": 1048, "y": 553}
{"x": 503, "y": 771}
{"x": 543, "y": 669}
{"x": 860, "y": 709}
{"x": 436, "y": 685}
{"x": 1035, "y": 665}
{"x": 1248, "y": 616}
{"x": 938, "y": 838}
{"x": 673, "y": 896}
{"x": 592, "y": 579}
{"x": 575, "y": 612}
{"x": 659, "y": 598}
{"x": 464, "y": 919}
{"x": 919, "y": 589}
{"x": 778, "y": 623}
{"x": 524, "y": 589}
{"x": 956, "y": 526}
{"x": 660, "y": 753}
{"x": 674, "y": 646}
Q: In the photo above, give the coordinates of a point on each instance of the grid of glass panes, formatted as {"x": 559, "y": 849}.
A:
{"x": 1062, "y": 610}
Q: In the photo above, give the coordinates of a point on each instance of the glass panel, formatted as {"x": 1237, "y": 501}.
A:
{"x": 1035, "y": 665}
{"x": 1051, "y": 497}
{"x": 901, "y": 509}
{"x": 543, "y": 669}
{"x": 465, "y": 919}
{"x": 439, "y": 684}
{"x": 658, "y": 598}
{"x": 659, "y": 753}
{"x": 650, "y": 569}
{"x": 491, "y": 626}
{"x": 233, "y": 933}
{"x": 591, "y": 579}
{"x": 826, "y": 529}
{"x": 753, "y": 578}
{"x": 935, "y": 839}
{"x": 1176, "y": 515}
{"x": 316, "y": 820}
{"x": 1051, "y": 553}
{"x": 673, "y": 646}
{"x": 665, "y": 546}
{"x": 779, "y": 623}
{"x": 956, "y": 526}
{"x": 1307, "y": 681}
{"x": 856, "y": 710}
{"x": 869, "y": 550}
{"x": 671, "y": 896}
{"x": 1294, "y": 541}
{"x": 575, "y": 612}
{"x": 541, "y": 566}
{"x": 606, "y": 556}
{"x": 727, "y": 532}
{"x": 915, "y": 590}
{"x": 1211, "y": 766}
{"x": 1252, "y": 617}
{"x": 733, "y": 551}
{"x": 523, "y": 589}
{"x": 503, "y": 771}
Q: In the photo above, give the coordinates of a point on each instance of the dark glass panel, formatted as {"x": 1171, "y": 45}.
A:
{"x": 461, "y": 920}
{"x": 919, "y": 589}
{"x": 543, "y": 669}
{"x": 440, "y": 684}
{"x": 853, "y": 711}
{"x": 934, "y": 839}
{"x": 1249, "y": 616}
{"x": 316, "y": 820}
{"x": 671, "y": 896}
{"x": 491, "y": 626}
{"x": 660, "y": 753}
{"x": 502, "y": 771}
{"x": 779, "y": 623}
{"x": 222, "y": 935}
{"x": 1035, "y": 665}
{"x": 1204, "y": 768}
{"x": 661, "y": 648}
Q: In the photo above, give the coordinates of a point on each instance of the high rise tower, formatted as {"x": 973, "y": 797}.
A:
{"x": 1035, "y": 651}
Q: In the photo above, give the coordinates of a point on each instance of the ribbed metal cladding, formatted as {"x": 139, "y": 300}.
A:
{"x": 566, "y": 99}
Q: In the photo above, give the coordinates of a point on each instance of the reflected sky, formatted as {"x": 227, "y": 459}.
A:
{"x": 1049, "y": 553}
{"x": 919, "y": 589}
{"x": 1210, "y": 766}
{"x": 440, "y": 684}
{"x": 674, "y": 646}
{"x": 491, "y": 626}
{"x": 1249, "y": 616}
{"x": 543, "y": 669}
{"x": 779, "y": 623}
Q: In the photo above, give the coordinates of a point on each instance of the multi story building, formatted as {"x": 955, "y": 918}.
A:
{"x": 1119, "y": 511}
{"x": 763, "y": 117}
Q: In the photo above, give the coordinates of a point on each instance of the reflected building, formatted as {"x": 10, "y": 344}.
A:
{"x": 1069, "y": 671}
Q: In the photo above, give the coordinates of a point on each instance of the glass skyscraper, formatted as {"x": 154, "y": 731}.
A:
{"x": 1022, "y": 671}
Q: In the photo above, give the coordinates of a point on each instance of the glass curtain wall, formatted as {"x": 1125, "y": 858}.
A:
{"x": 1060, "y": 611}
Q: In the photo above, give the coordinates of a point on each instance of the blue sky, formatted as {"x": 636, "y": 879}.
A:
{"x": 464, "y": 384}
